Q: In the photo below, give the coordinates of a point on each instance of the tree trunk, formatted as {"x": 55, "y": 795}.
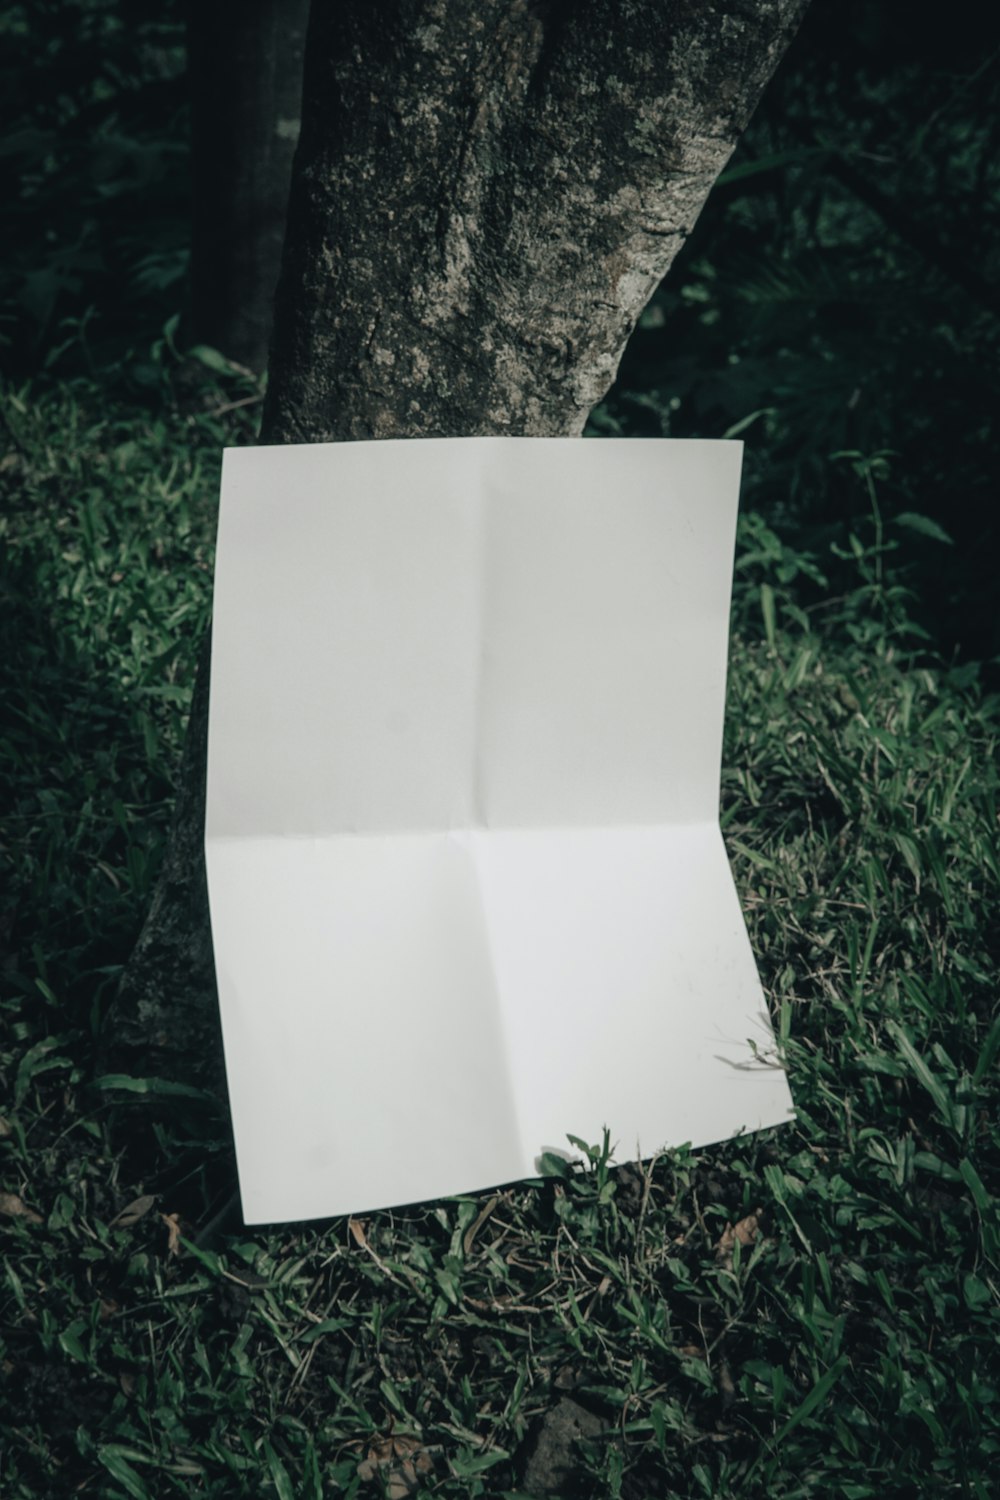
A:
{"x": 245, "y": 67}
{"x": 484, "y": 199}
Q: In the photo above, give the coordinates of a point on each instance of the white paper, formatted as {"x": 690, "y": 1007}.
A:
{"x": 467, "y": 884}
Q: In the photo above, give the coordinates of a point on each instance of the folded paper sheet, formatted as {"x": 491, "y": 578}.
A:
{"x": 467, "y": 884}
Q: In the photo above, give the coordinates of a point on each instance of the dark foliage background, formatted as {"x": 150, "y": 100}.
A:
{"x": 843, "y": 284}
{"x": 839, "y": 297}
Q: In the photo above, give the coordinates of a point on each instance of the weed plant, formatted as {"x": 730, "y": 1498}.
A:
{"x": 811, "y": 1311}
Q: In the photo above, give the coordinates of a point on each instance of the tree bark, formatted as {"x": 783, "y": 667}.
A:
{"x": 484, "y": 199}
{"x": 245, "y": 68}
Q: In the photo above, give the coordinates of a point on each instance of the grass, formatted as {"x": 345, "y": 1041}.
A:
{"x": 810, "y": 1311}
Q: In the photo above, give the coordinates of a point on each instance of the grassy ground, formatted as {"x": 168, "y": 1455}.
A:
{"x": 812, "y": 1311}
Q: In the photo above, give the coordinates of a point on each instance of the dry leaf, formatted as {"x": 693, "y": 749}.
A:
{"x": 745, "y": 1233}
{"x": 108, "y": 1308}
{"x": 357, "y": 1228}
{"x": 6, "y": 1128}
{"x": 16, "y": 1208}
{"x": 398, "y": 1461}
{"x": 478, "y": 1222}
{"x": 173, "y": 1223}
{"x": 132, "y": 1212}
